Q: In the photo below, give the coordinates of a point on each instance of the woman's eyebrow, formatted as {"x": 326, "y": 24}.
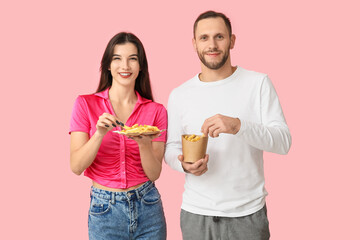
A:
{"x": 118, "y": 55}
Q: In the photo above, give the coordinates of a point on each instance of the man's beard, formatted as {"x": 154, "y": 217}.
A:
{"x": 214, "y": 65}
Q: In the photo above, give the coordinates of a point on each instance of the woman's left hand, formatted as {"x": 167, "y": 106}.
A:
{"x": 144, "y": 139}
{"x": 151, "y": 154}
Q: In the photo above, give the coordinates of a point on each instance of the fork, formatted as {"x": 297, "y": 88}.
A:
{"x": 121, "y": 124}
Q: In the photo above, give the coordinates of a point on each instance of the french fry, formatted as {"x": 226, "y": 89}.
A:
{"x": 136, "y": 128}
{"x": 192, "y": 138}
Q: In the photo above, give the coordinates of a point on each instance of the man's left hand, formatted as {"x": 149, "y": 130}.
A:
{"x": 220, "y": 124}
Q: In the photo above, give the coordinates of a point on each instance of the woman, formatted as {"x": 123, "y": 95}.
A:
{"x": 125, "y": 204}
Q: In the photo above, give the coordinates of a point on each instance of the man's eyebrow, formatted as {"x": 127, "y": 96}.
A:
{"x": 206, "y": 34}
{"x": 220, "y": 34}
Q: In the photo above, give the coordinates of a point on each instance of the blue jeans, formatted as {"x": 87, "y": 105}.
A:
{"x": 136, "y": 214}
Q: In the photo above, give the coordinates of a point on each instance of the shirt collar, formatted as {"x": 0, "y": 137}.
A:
{"x": 105, "y": 95}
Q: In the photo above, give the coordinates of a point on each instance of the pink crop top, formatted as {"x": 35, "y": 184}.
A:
{"x": 117, "y": 163}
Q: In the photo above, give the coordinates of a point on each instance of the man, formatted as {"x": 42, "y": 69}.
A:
{"x": 224, "y": 195}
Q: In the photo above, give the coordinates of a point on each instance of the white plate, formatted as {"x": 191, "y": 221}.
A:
{"x": 138, "y": 133}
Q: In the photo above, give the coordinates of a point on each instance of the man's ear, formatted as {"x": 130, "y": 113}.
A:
{"x": 232, "y": 41}
{"x": 194, "y": 43}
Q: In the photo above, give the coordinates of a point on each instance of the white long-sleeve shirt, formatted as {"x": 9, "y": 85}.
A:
{"x": 233, "y": 186}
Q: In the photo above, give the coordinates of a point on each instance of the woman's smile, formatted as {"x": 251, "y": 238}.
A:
{"x": 125, "y": 74}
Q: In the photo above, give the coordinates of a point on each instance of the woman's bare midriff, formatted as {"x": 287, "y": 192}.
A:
{"x": 97, "y": 185}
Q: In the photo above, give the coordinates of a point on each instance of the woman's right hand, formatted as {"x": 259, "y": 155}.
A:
{"x": 106, "y": 123}
{"x": 83, "y": 149}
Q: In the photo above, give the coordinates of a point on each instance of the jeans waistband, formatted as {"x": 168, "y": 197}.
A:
{"x": 122, "y": 196}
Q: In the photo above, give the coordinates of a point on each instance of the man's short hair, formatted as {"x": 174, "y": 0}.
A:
{"x": 213, "y": 14}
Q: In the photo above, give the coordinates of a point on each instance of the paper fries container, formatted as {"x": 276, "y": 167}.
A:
{"x": 194, "y": 151}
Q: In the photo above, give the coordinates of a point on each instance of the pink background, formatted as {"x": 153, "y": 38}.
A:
{"x": 50, "y": 53}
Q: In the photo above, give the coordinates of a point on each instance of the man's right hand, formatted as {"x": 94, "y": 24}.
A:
{"x": 197, "y": 168}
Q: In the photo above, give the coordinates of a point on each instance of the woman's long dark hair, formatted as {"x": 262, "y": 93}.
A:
{"x": 142, "y": 83}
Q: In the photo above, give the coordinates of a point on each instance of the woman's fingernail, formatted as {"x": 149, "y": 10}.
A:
{"x": 114, "y": 125}
{"x": 117, "y": 122}
{"x": 107, "y": 125}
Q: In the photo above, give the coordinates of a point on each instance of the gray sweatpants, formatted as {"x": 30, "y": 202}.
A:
{"x": 200, "y": 227}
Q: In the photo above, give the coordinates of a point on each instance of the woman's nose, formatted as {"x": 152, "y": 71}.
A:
{"x": 125, "y": 65}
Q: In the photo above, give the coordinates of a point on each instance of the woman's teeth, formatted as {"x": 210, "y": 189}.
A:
{"x": 125, "y": 74}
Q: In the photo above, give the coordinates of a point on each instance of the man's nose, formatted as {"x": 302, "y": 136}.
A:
{"x": 213, "y": 45}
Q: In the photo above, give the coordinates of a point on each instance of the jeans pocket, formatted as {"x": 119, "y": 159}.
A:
{"x": 151, "y": 197}
{"x": 99, "y": 206}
